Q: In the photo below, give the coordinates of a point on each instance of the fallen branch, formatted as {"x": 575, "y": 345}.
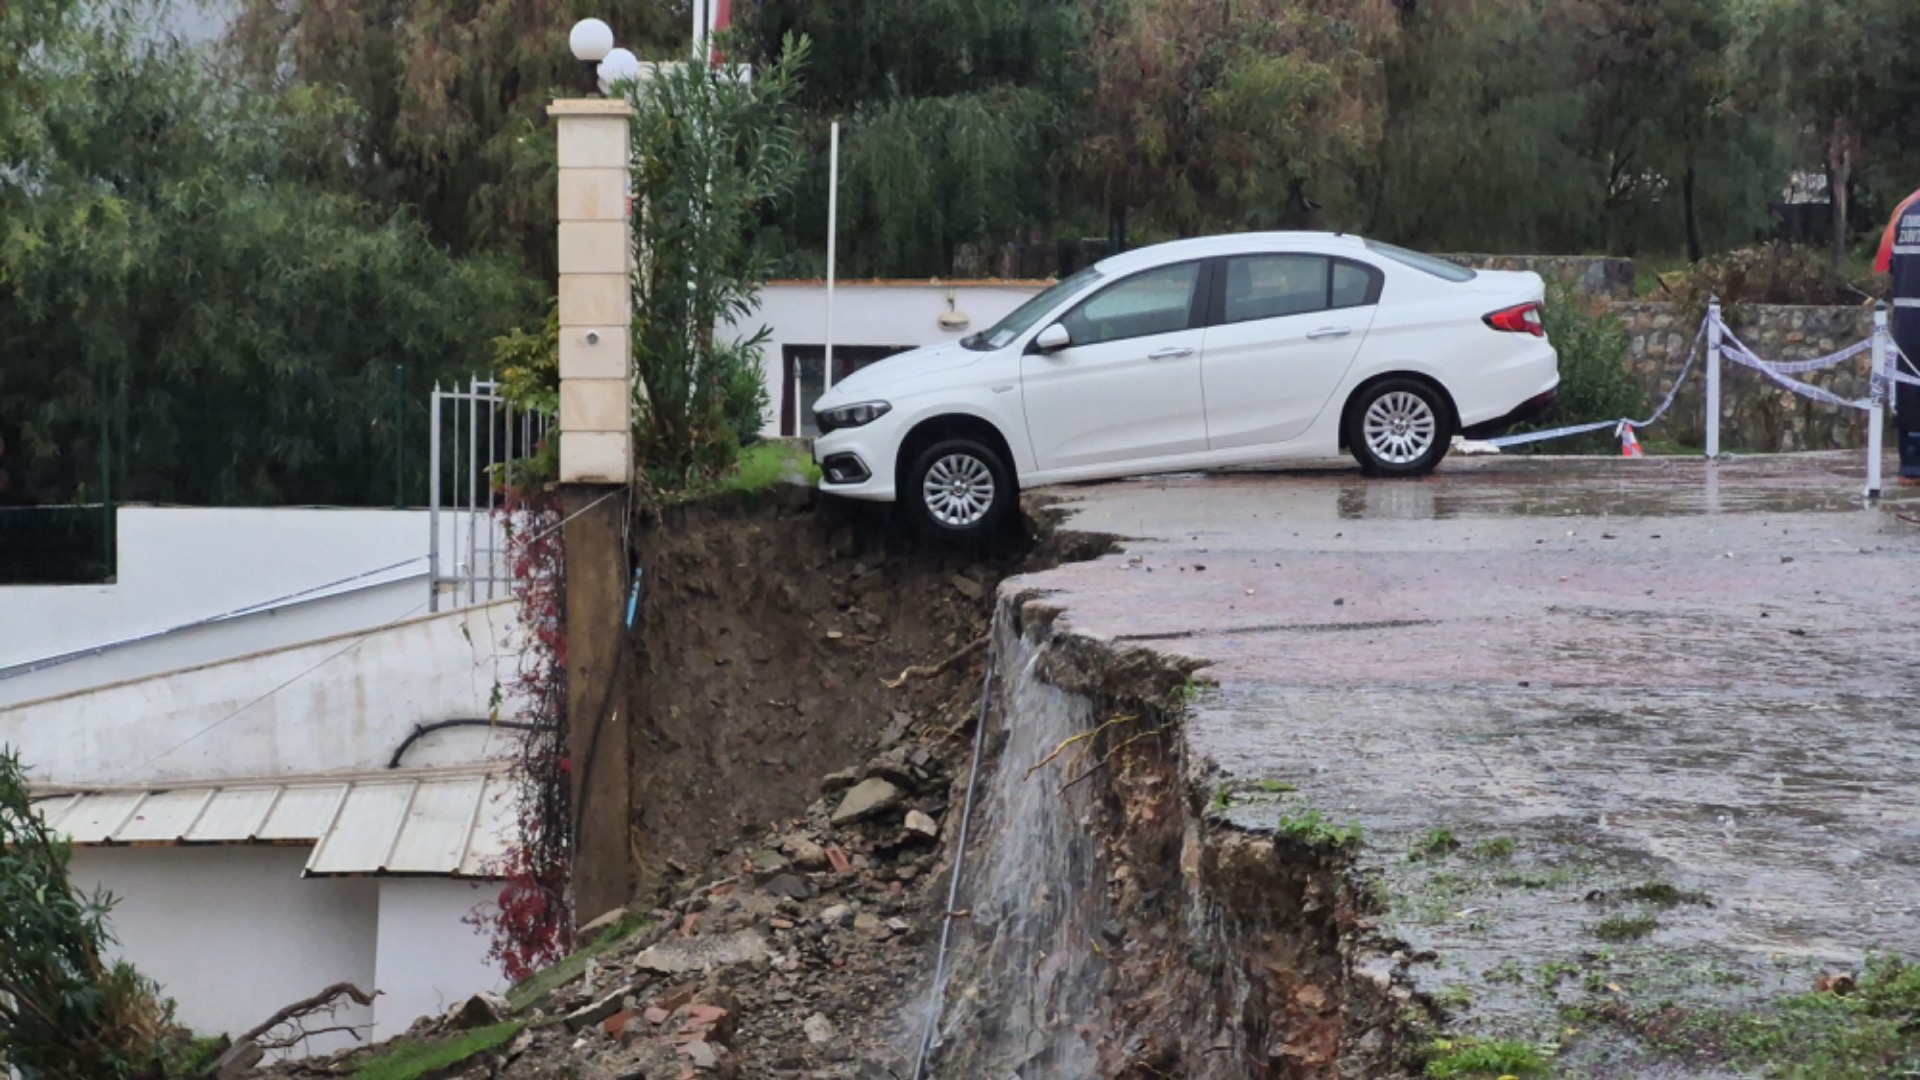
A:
{"x": 1082, "y": 737}
{"x": 924, "y": 671}
{"x": 325, "y": 1001}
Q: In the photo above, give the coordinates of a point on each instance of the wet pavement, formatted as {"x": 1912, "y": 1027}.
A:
{"x": 1615, "y": 732}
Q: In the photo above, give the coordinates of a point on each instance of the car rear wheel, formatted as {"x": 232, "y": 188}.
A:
{"x": 1399, "y": 427}
{"x": 959, "y": 489}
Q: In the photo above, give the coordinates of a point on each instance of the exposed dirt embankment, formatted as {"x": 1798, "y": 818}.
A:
{"x": 786, "y": 638}
{"x": 1229, "y": 954}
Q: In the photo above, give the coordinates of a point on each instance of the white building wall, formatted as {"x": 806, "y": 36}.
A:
{"x": 336, "y": 704}
{"x": 177, "y": 565}
{"x": 430, "y": 959}
{"x": 233, "y": 933}
{"x": 882, "y": 313}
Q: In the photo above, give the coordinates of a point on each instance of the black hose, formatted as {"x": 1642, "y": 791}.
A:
{"x": 421, "y": 731}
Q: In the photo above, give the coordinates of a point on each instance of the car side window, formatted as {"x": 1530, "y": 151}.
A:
{"x": 1275, "y": 286}
{"x": 1272, "y": 286}
{"x": 1354, "y": 285}
{"x": 1154, "y": 302}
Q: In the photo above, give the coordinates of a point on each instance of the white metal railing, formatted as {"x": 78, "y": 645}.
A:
{"x": 473, "y": 433}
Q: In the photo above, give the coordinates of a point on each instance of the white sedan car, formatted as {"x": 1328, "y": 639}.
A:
{"x": 1196, "y": 354}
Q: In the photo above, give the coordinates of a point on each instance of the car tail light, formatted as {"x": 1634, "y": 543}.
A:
{"x": 1518, "y": 319}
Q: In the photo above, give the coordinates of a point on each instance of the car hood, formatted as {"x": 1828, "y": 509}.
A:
{"x": 875, "y": 379}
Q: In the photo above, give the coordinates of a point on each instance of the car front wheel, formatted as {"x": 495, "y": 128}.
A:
{"x": 1399, "y": 427}
{"x": 959, "y": 489}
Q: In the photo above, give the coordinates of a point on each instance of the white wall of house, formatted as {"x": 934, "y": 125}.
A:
{"x": 182, "y": 573}
{"x": 177, "y": 565}
{"x": 430, "y": 958}
{"x": 866, "y": 313}
{"x": 336, "y": 704}
{"x": 233, "y": 933}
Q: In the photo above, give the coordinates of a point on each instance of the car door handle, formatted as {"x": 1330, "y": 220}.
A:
{"x": 1330, "y": 332}
{"x": 1170, "y": 354}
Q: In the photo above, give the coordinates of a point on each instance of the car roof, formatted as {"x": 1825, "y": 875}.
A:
{"x": 1203, "y": 247}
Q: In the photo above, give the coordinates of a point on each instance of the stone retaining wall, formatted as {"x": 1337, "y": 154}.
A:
{"x": 1756, "y": 414}
{"x": 1595, "y": 275}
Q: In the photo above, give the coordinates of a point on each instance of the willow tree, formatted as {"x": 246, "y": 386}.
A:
{"x": 189, "y": 312}
{"x": 1207, "y": 115}
{"x": 448, "y": 100}
{"x": 956, "y": 117}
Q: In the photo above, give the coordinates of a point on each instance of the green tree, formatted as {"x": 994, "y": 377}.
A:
{"x": 189, "y": 310}
{"x": 1208, "y": 115}
{"x": 710, "y": 151}
{"x": 957, "y": 116}
{"x": 447, "y": 101}
{"x": 1845, "y": 86}
{"x": 66, "y": 1013}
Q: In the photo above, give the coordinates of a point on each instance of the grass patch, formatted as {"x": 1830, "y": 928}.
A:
{"x": 1473, "y": 1059}
{"x": 763, "y": 465}
{"x": 531, "y": 990}
{"x": 1870, "y": 1032}
{"x": 1433, "y": 844}
{"x": 1453, "y": 998}
{"x": 1661, "y": 894}
{"x": 1625, "y": 927}
{"x": 1499, "y": 848}
{"x": 1275, "y": 787}
{"x": 1309, "y": 826}
{"x": 410, "y": 1060}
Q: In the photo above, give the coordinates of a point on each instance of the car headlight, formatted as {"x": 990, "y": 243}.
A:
{"x": 850, "y": 416}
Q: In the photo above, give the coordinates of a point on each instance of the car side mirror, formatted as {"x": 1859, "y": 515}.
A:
{"x": 1053, "y": 339}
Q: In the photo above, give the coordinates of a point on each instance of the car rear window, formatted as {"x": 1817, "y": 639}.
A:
{"x": 1439, "y": 268}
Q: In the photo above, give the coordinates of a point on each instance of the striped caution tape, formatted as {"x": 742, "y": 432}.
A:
{"x": 1693, "y": 353}
{"x": 1795, "y": 367}
{"x": 1805, "y": 390}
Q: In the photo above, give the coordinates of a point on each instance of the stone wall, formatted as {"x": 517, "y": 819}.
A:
{"x": 1595, "y": 275}
{"x": 1756, "y": 415}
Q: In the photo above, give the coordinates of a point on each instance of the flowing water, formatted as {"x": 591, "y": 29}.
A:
{"x": 1022, "y": 978}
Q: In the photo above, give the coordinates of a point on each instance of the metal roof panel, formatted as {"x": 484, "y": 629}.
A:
{"x": 164, "y": 816}
{"x": 303, "y": 812}
{"x": 487, "y": 846}
{"x": 233, "y": 815}
{"x": 438, "y": 826}
{"x": 97, "y": 817}
{"x": 363, "y": 833}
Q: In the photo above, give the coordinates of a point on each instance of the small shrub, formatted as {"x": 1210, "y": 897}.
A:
{"x": 1594, "y": 381}
{"x": 65, "y": 1012}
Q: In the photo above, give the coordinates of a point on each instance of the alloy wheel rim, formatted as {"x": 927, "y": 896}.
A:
{"x": 958, "y": 490}
{"x": 1400, "y": 427}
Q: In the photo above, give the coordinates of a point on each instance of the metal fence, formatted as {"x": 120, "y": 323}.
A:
{"x": 474, "y": 433}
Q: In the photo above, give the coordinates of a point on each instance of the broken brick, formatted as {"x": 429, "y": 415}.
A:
{"x": 837, "y": 858}
{"x": 615, "y": 1024}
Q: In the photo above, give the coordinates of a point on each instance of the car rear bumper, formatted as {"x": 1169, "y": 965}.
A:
{"x": 1537, "y": 407}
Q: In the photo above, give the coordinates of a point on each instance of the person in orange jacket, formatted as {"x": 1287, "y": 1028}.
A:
{"x": 1900, "y": 256}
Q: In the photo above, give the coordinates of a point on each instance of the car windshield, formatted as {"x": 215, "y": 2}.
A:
{"x": 1022, "y": 318}
{"x": 1439, "y": 268}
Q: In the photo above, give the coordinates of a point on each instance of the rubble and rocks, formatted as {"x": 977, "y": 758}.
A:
{"x": 767, "y": 967}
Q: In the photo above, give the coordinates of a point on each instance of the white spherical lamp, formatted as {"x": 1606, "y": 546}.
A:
{"x": 591, "y": 40}
{"x": 620, "y": 66}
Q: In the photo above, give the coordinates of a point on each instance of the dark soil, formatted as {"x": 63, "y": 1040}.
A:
{"x": 774, "y": 628}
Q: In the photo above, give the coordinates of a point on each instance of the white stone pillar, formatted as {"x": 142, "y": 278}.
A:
{"x": 596, "y": 299}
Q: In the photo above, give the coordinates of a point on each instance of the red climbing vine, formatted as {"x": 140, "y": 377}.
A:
{"x": 532, "y": 923}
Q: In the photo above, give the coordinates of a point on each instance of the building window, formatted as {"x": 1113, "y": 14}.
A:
{"x": 803, "y": 369}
